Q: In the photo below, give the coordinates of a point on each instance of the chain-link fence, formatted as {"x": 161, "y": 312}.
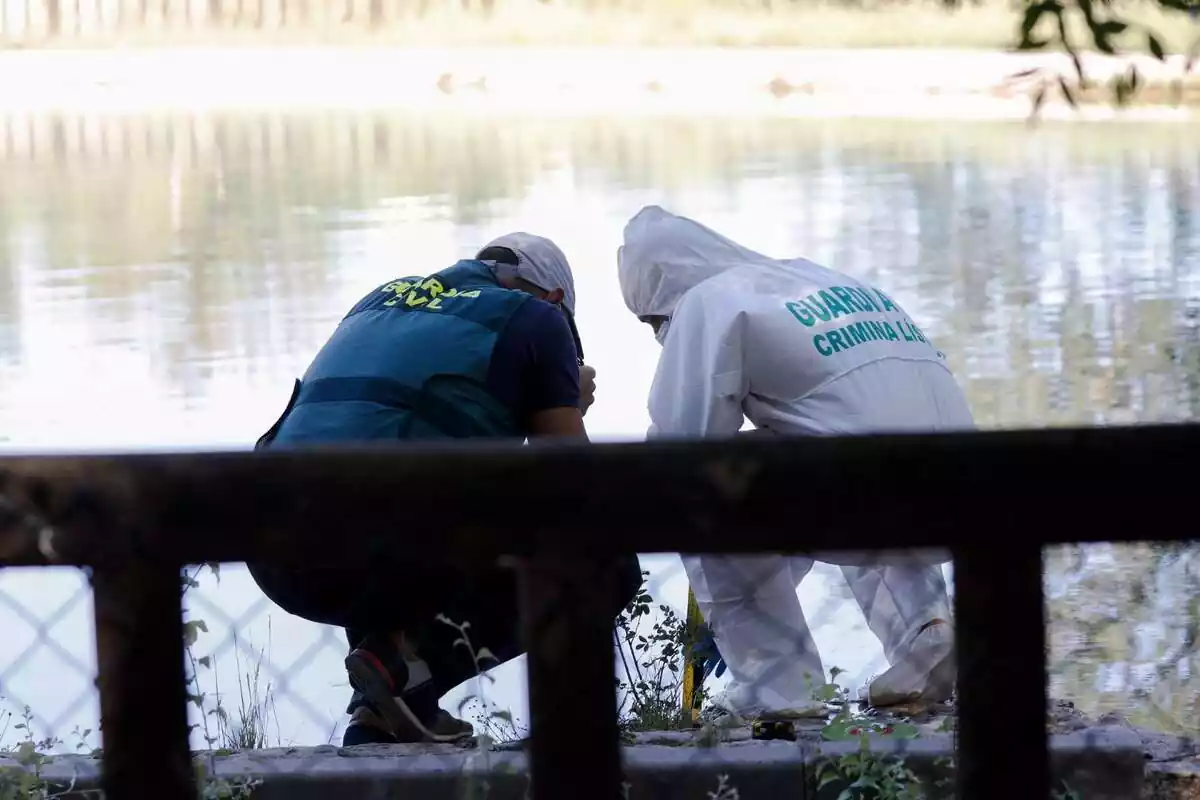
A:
{"x": 48, "y": 662}
{"x": 1105, "y": 603}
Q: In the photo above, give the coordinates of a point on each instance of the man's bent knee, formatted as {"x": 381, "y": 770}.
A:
{"x": 628, "y": 581}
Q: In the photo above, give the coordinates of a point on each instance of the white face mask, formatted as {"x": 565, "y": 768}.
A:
{"x": 661, "y": 333}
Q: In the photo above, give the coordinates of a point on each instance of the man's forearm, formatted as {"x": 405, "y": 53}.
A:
{"x": 559, "y": 423}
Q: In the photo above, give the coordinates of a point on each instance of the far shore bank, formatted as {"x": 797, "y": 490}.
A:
{"x": 986, "y": 25}
{"x": 570, "y": 80}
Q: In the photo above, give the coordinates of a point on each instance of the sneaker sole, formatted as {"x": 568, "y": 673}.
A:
{"x": 404, "y": 723}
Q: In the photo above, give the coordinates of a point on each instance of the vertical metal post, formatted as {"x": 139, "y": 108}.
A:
{"x": 1001, "y": 639}
{"x": 143, "y": 700}
{"x": 567, "y": 626}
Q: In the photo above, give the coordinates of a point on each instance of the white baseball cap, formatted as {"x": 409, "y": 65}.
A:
{"x": 541, "y": 262}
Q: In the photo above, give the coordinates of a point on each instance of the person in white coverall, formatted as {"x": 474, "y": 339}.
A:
{"x": 798, "y": 349}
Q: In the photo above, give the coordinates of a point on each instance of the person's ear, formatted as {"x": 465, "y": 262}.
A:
{"x": 554, "y": 296}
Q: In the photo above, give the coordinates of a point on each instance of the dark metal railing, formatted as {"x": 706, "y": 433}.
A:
{"x": 996, "y": 499}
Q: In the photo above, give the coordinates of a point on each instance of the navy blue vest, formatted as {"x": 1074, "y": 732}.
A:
{"x": 410, "y": 361}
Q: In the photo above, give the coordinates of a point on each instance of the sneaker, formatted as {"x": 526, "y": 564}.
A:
{"x": 743, "y": 706}
{"x": 924, "y": 677}
{"x": 403, "y": 695}
{"x": 367, "y": 727}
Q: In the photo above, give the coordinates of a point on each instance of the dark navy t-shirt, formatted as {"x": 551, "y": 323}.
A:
{"x": 534, "y": 364}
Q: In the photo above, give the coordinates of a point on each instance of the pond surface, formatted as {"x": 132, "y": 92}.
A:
{"x": 163, "y": 278}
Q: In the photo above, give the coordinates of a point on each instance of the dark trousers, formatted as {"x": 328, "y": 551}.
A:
{"x": 383, "y": 596}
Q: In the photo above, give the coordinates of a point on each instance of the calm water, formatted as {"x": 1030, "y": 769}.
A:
{"x": 163, "y": 279}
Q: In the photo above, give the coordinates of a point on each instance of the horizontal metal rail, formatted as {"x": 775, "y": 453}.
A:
{"x": 995, "y": 499}
{"x": 778, "y": 494}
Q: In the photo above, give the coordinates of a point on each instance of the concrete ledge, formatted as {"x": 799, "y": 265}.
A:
{"x": 1100, "y": 763}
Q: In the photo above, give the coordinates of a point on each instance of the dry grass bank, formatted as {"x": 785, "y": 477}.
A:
{"x": 723, "y": 23}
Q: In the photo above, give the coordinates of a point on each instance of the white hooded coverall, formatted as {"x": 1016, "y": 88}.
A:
{"x": 798, "y": 349}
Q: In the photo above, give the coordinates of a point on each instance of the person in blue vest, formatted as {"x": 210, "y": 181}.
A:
{"x": 486, "y": 348}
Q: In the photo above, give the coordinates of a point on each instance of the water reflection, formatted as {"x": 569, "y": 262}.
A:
{"x": 163, "y": 278}
{"x": 1056, "y": 266}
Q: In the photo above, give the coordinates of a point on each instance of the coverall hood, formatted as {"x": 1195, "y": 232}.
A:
{"x": 665, "y": 255}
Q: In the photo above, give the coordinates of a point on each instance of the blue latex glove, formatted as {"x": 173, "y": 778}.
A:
{"x": 706, "y": 648}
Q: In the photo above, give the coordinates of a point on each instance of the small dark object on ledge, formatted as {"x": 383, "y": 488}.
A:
{"x": 767, "y": 729}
